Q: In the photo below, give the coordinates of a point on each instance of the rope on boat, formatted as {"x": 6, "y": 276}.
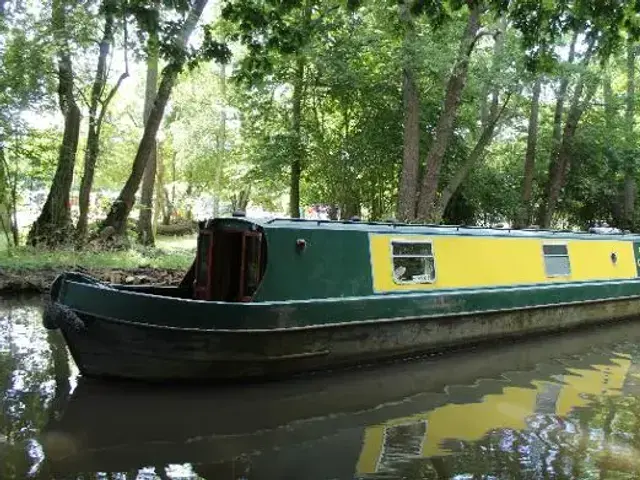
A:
{"x": 56, "y": 315}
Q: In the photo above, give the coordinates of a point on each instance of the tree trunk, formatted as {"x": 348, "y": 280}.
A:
{"x": 610, "y": 107}
{"x": 610, "y": 147}
{"x": 5, "y": 202}
{"x": 296, "y": 162}
{"x": 222, "y": 140}
{"x": 526, "y": 209}
{"x": 158, "y": 198}
{"x": 557, "y": 135}
{"x": 408, "y": 188}
{"x": 630, "y": 170}
{"x": 169, "y": 208}
{"x": 559, "y": 173}
{"x": 562, "y": 92}
{"x": 163, "y": 201}
{"x": 351, "y": 208}
{"x": 474, "y": 157}
{"x": 9, "y": 200}
{"x": 93, "y": 135}
{"x": 145, "y": 225}
{"x": 444, "y": 128}
{"x": 188, "y": 204}
{"x": 296, "y": 122}
{"x": 13, "y": 198}
{"x": 119, "y": 212}
{"x": 53, "y": 226}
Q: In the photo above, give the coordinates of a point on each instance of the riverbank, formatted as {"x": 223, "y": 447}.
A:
{"x": 39, "y": 279}
{"x": 32, "y": 270}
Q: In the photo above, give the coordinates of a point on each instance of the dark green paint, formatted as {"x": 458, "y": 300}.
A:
{"x": 332, "y": 264}
{"x": 636, "y": 255}
{"x": 178, "y": 313}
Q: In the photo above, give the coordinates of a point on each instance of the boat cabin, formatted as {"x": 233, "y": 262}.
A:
{"x": 242, "y": 260}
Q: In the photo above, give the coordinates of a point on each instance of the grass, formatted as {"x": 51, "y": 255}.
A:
{"x": 184, "y": 242}
{"x": 170, "y": 253}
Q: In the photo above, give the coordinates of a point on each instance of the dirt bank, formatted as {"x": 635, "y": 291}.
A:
{"x": 38, "y": 280}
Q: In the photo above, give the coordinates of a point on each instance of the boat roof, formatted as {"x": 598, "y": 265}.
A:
{"x": 423, "y": 229}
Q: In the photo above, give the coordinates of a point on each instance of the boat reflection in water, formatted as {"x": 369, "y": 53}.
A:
{"x": 566, "y": 405}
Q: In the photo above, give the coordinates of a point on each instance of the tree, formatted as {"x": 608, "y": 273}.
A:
{"x": 99, "y": 103}
{"x": 24, "y": 84}
{"x": 119, "y": 212}
{"x": 54, "y": 226}
{"x": 489, "y": 123}
{"x": 444, "y": 128}
{"x": 288, "y": 29}
{"x": 560, "y": 162}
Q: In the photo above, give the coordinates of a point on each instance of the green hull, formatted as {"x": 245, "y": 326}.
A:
{"x": 117, "y": 332}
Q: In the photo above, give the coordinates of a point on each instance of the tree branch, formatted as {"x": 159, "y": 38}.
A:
{"x": 83, "y": 96}
{"x": 114, "y": 90}
{"x": 479, "y": 35}
{"x": 135, "y": 122}
{"x": 105, "y": 103}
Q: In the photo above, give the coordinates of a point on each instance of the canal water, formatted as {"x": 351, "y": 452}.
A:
{"x": 562, "y": 406}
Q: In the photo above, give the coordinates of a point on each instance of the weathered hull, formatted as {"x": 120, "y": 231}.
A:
{"x": 113, "y": 347}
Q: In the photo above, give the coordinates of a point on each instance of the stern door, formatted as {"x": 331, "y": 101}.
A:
{"x": 229, "y": 265}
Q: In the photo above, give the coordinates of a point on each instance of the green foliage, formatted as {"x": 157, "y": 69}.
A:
{"x": 227, "y": 142}
{"x": 165, "y": 18}
{"x": 25, "y": 63}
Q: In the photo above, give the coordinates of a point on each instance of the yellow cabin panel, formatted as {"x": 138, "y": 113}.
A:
{"x": 477, "y": 261}
{"x": 591, "y": 260}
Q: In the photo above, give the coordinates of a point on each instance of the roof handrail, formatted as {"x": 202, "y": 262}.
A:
{"x": 458, "y": 227}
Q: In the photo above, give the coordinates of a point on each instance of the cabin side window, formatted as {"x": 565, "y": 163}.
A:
{"x": 556, "y": 260}
{"x": 413, "y": 262}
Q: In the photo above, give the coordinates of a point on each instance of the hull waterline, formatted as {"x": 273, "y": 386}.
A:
{"x": 110, "y": 348}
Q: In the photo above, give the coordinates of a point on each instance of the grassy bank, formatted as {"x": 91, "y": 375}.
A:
{"x": 30, "y": 269}
{"x": 170, "y": 253}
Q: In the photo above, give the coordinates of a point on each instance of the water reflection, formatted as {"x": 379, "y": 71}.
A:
{"x": 34, "y": 371}
{"x": 558, "y": 407}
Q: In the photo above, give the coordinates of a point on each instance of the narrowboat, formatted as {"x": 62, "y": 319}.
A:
{"x": 272, "y": 298}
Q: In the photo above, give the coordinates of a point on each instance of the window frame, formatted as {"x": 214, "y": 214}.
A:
{"x": 407, "y": 241}
{"x": 545, "y": 255}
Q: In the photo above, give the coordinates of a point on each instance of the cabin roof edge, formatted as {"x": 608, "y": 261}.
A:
{"x": 417, "y": 228}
